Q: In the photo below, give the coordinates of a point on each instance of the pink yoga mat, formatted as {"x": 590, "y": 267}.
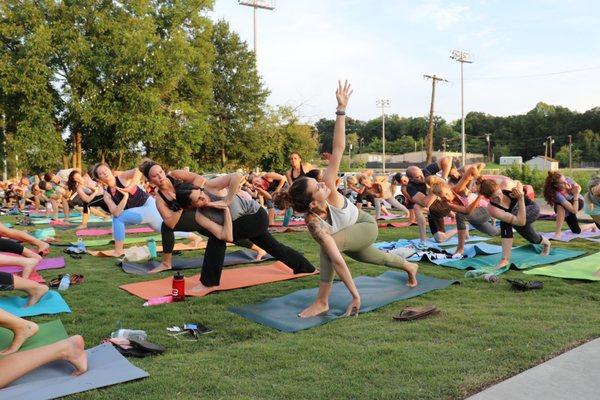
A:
{"x": 99, "y": 232}
{"x": 46, "y": 263}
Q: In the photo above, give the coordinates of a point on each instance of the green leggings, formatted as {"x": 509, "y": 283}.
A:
{"x": 356, "y": 242}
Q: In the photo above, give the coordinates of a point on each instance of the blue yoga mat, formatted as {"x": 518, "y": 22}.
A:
{"x": 106, "y": 366}
{"x": 51, "y": 303}
{"x": 282, "y": 312}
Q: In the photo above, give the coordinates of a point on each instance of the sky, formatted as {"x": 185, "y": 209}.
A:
{"x": 521, "y": 51}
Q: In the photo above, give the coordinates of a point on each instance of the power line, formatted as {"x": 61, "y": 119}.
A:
{"x": 570, "y": 71}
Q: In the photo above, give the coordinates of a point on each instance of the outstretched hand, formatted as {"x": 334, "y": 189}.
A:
{"x": 342, "y": 94}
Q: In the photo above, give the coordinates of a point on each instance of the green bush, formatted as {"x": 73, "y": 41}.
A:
{"x": 536, "y": 178}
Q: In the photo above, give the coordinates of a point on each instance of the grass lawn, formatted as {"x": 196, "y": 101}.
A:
{"x": 484, "y": 333}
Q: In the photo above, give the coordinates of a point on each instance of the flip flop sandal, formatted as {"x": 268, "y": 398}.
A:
{"x": 519, "y": 284}
{"x": 412, "y": 313}
{"x": 75, "y": 256}
{"x": 77, "y": 279}
{"x": 147, "y": 346}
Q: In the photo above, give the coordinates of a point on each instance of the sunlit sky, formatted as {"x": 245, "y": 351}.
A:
{"x": 521, "y": 53}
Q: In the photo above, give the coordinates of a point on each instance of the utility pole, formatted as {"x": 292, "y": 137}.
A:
{"x": 383, "y": 103}
{"x": 570, "y": 153}
{"x": 550, "y": 143}
{"x": 434, "y": 79}
{"x": 265, "y": 5}
{"x": 462, "y": 57}
{"x": 444, "y": 141}
{"x": 487, "y": 139}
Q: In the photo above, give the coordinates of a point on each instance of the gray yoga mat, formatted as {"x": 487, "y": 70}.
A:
{"x": 282, "y": 312}
{"x": 106, "y": 366}
{"x": 233, "y": 258}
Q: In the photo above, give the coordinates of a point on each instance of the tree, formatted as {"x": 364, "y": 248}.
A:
{"x": 563, "y": 156}
{"x": 238, "y": 103}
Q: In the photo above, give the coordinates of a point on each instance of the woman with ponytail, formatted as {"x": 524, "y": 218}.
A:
{"x": 337, "y": 225}
{"x": 514, "y": 210}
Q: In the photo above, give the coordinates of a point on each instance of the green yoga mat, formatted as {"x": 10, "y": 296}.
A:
{"x": 523, "y": 257}
{"x": 585, "y": 268}
{"x": 129, "y": 240}
{"x": 50, "y": 332}
{"x": 282, "y": 312}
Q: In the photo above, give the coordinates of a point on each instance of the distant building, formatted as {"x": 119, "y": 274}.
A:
{"x": 373, "y": 160}
{"x": 543, "y": 163}
{"x": 511, "y": 160}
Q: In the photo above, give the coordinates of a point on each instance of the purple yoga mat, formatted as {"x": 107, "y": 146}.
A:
{"x": 98, "y": 232}
{"x": 46, "y": 263}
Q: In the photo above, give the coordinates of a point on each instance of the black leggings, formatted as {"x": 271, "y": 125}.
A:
{"x": 97, "y": 201}
{"x": 7, "y": 281}
{"x": 10, "y": 246}
{"x": 255, "y": 228}
{"x": 187, "y": 223}
{"x": 571, "y": 219}
{"x": 532, "y": 211}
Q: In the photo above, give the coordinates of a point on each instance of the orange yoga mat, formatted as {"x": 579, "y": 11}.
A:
{"x": 233, "y": 278}
{"x": 178, "y": 247}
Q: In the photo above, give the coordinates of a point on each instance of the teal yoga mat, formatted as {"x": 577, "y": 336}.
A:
{"x": 522, "y": 257}
{"x": 282, "y": 312}
{"x": 50, "y": 332}
{"x": 51, "y": 303}
{"x": 105, "y": 367}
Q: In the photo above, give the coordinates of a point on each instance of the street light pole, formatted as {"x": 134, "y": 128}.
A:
{"x": 462, "y": 57}
{"x": 383, "y": 103}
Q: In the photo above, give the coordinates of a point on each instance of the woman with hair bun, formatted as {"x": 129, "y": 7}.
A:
{"x": 337, "y": 225}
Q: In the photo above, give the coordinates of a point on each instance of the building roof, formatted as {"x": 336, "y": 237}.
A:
{"x": 545, "y": 158}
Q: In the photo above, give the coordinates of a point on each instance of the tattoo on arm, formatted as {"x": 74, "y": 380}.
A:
{"x": 318, "y": 230}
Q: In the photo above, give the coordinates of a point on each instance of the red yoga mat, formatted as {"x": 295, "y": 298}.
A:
{"x": 235, "y": 278}
{"x": 34, "y": 276}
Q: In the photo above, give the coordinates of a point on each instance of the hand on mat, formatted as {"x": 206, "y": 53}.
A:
{"x": 353, "y": 308}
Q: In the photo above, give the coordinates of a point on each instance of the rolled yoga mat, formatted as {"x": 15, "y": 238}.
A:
{"x": 51, "y": 303}
{"x": 522, "y": 257}
{"x": 235, "y": 278}
{"x": 49, "y": 332}
{"x": 585, "y": 268}
{"x": 106, "y": 367}
{"x": 281, "y": 313}
{"x": 46, "y": 263}
{"x": 233, "y": 258}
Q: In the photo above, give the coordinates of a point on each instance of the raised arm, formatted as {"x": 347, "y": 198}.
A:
{"x": 132, "y": 176}
{"x": 116, "y": 209}
{"x": 468, "y": 209}
{"x": 170, "y": 218}
{"x": 189, "y": 177}
{"x": 223, "y": 232}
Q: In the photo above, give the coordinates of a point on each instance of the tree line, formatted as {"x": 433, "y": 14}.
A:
{"x": 516, "y": 135}
{"x": 105, "y": 80}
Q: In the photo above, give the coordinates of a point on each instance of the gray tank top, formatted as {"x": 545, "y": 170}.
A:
{"x": 238, "y": 208}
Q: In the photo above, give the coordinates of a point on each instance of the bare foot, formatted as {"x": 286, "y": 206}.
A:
{"x": 21, "y": 333}
{"x": 29, "y": 266}
{"x": 316, "y": 309}
{"x": 196, "y": 240}
{"x": 161, "y": 267}
{"x": 198, "y": 288}
{"x": 82, "y": 226}
{"x": 36, "y": 294}
{"x": 75, "y": 354}
{"x": 503, "y": 263}
{"x": 546, "y": 249}
{"x": 411, "y": 270}
{"x": 260, "y": 253}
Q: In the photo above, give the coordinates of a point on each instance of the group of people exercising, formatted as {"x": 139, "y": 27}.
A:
{"x": 231, "y": 208}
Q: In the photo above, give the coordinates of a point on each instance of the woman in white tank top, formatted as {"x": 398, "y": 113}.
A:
{"x": 337, "y": 225}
